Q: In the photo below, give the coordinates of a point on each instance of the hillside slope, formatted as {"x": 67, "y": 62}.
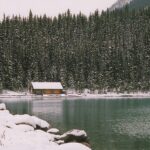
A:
{"x": 133, "y": 4}
{"x": 119, "y": 4}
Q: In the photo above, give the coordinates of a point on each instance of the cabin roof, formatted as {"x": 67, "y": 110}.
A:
{"x": 46, "y": 85}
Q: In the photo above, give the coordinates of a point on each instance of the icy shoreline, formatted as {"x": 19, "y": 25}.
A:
{"x": 30, "y": 132}
{"x": 119, "y": 95}
{"x": 76, "y": 95}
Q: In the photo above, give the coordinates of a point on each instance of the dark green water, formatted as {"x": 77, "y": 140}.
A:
{"x": 122, "y": 124}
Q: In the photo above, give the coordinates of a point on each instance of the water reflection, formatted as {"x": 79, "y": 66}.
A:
{"x": 18, "y": 107}
{"x": 110, "y": 124}
{"x": 50, "y": 110}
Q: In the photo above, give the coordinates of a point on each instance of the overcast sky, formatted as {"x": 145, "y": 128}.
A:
{"x": 51, "y": 7}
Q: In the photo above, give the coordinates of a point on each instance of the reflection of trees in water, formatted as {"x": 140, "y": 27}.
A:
{"x": 83, "y": 113}
{"x": 19, "y": 107}
{"x": 99, "y": 117}
{"x": 49, "y": 110}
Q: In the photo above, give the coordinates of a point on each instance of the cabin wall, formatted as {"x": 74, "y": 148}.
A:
{"x": 57, "y": 91}
{"x": 37, "y": 92}
{"x": 46, "y": 91}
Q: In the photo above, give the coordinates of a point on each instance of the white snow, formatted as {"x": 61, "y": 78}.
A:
{"x": 24, "y": 119}
{"x": 30, "y": 120}
{"x": 60, "y": 142}
{"x": 41, "y": 123}
{"x": 71, "y": 94}
{"x": 113, "y": 95}
{"x": 46, "y": 85}
{"x": 53, "y": 130}
{"x": 16, "y": 139}
{"x": 11, "y": 93}
{"x": 2, "y": 106}
{"x": 76, "y": 132}
{"x": 24, "y": 128}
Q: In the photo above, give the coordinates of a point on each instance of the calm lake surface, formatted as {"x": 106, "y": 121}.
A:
{"x": 122, "y": 124}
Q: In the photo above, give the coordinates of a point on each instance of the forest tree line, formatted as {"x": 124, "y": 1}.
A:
{"x": 107, "y": 51}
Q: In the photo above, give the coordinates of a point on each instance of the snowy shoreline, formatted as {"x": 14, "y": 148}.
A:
{"x": 108, "y": 95}
{"x": 23, "y": 131}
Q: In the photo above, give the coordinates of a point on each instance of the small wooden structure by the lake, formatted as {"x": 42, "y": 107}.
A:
{"x": 46, "y": 88}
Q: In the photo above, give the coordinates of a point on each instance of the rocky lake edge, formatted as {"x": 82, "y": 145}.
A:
{"x": 30, "y": 132}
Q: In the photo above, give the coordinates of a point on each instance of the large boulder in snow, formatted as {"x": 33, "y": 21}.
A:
{"x": 41, "y": 124}
{"x": 2, "y": 106}
{"x": 33, "y": 121}
{"x": 24, "y": 119}
{"x": 24, "y": 128}
{"x": 74, "y": 135}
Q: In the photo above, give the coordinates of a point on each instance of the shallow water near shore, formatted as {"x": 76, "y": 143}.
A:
{"x": 122, "y": 124}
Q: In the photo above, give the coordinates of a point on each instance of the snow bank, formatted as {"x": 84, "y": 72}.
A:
{"x": 71, "y": 94}
{"x": 9, "y": 92}
{"x": 24, "y": 128}
{"x": 16, "y": 139}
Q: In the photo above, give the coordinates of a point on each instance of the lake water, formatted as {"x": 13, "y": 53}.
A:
{"x": 122, "y": 124}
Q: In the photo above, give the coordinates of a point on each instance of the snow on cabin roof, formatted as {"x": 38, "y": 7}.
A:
{"x": 46, "y": 85}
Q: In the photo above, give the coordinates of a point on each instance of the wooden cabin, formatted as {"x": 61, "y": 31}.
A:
{"x": 46, "y": 88}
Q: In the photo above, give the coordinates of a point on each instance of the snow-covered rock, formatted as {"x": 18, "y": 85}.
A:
{"x": 74, "y": 136}
{"x": 14, "y": 139}
{"x": 2, "y": 106}
{"x": 24, "y": 128}
{"x": 33, "y": 121}
{"x": 76, "y": 132}
{"x": 41, "y": 123}
{"x": 24, "y": 119}
{"x": 6, "y": 119}
{"x": 53, "y": 131}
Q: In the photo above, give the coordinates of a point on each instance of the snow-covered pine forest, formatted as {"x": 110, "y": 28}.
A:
{"x": 103, "y": 51}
